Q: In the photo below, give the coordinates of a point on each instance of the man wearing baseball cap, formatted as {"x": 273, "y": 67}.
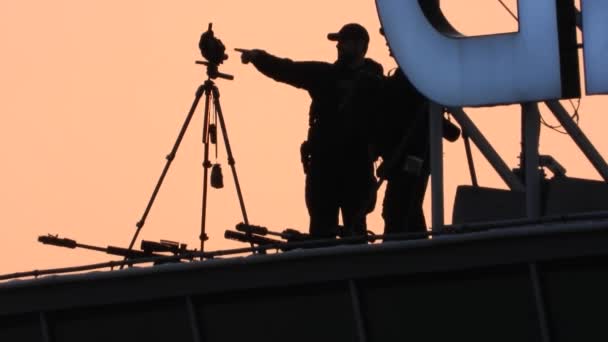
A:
{"x": 351, "y": 33}
{"x": 335, "y": 155}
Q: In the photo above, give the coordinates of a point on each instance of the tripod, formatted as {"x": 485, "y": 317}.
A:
{"x": 212, "y": 98}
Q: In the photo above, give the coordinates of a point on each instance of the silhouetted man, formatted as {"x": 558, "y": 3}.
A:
{"x": 337, "y": 163}
{"x": 402, "y": 140}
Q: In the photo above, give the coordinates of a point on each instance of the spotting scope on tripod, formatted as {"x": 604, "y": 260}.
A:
{"x": 213, "y": 50}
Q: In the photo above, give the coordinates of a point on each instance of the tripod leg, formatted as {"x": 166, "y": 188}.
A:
{"x": 206, "y": 164}
{"x": 231, "y": 161}
{"x": 170, "y": 157}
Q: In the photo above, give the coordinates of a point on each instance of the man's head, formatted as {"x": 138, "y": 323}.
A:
{"x": 353, "y": 40}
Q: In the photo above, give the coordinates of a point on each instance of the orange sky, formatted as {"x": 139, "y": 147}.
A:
{"x": 93, "y": 95}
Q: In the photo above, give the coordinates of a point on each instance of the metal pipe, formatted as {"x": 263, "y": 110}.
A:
{"x": 579, "y": 138}
{"x": 436, "y": 142}
{"x": 531, "y": 129}
{"x": 357, "y": 311}
{"x": 196, "y": 335}
{"x": 467, "y": 147}
{"x": 44, "y": 327}
{"x": 469, "y": 128}
{"x": 540, "y": 302}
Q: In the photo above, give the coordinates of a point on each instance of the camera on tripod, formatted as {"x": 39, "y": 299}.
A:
{"x": 214, "y": 51}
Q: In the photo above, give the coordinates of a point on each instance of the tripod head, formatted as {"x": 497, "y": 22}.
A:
{"x": 213, "y": 71}
{"x": 214, "y": 51}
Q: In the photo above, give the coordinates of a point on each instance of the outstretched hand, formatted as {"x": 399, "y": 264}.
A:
{"x": 248, "y": 55}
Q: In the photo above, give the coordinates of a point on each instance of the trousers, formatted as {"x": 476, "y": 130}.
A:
{"x": 334, "y": 189}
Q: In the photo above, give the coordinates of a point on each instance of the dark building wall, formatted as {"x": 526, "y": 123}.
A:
{"x": 514, "y": 285}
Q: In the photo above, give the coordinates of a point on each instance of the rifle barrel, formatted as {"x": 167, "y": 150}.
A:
{"x": 69, "y": 243}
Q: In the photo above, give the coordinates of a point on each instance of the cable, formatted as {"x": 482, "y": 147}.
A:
{"x": 555, "y": 128}
{"x": 508, "y": 10}
{"x": 575, "y": 116}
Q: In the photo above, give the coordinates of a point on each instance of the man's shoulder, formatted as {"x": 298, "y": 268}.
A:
{"x": 372, "y": 66}
{"x": 401, "y": 78}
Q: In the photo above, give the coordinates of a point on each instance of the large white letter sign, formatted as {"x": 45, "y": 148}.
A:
{"x": 595, "y": 35}
{"x": 538, "y": 62}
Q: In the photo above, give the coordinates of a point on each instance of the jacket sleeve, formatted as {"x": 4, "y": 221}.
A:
{"x": 304, "y": 75}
